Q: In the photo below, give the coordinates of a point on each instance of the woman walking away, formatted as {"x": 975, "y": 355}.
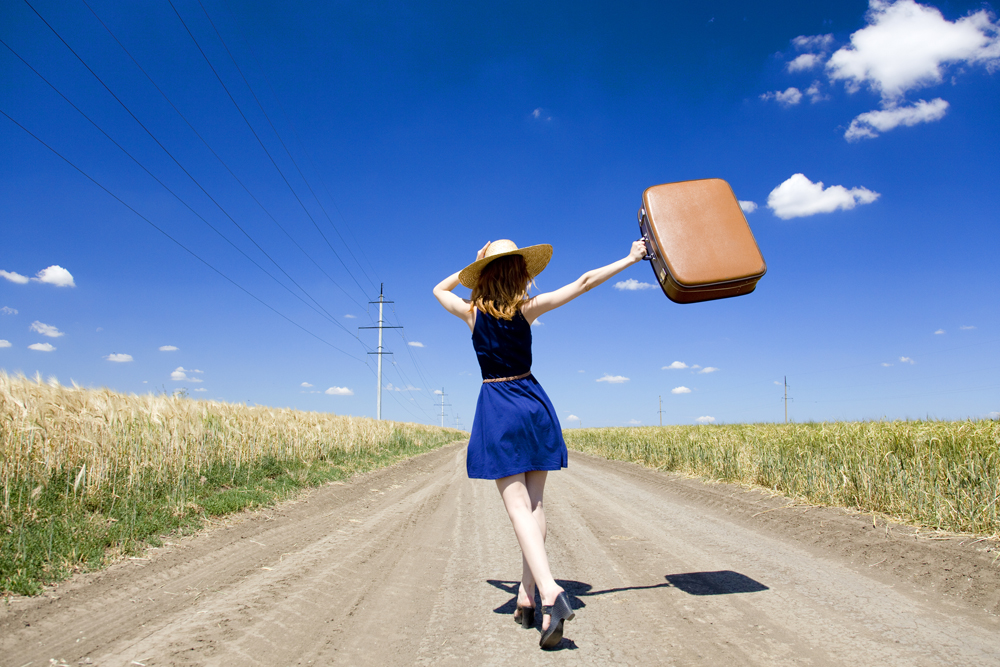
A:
{"x": 516, "y": 438}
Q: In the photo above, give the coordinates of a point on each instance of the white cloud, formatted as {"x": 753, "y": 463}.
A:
{"x": 907, "y": 360}
{"x": 906, "y": 45}
{"x": 305, "y": 384}
{"x": 813, "y": 42}
{"x": 414, "y": 343}
{"x": 886, "y": 364}
{"x": 42, "y": 347}
{"x": 966, "y": 327}
{"x": 777, "y": 383}
{"x": 14, "y": 277}
{"x": 612, "y": 379}
{"x": 167, "y": 348}
{"x": 199, "y": 389}
{"x": 351, "y": 317}
{"x": 939, "y": 332}
{"x": 748, "y": 206}
{"x": 634, "y": 422}
{"x": 120, "y": 358}
{"x": 438, "y": 392}
{"x": 789, "y": 97}
{"x": 7, "y": 310}
{"x": 538, "y": 323}
{"x": 994, "y": 415}
{"x": 680, "y": 390}
{"x": 55, "y": 275}
{"x": 45, "y": 329}
{"x": 814, "y": 93}
{"x": 708, "y": 369}
{"x": 572, "y": 418}
{"x": 799, "y": 197}
{"x": 339, "y": 391}
{"x": 695, "y": 366}
{"x": 180, "y": 374}
{"x": 4, "y": 343}
{"x": 869, "y": 124}
{"x": 804, "y": 62}
{"x": 705, "y": 420}
{"x": 677, "y": 365}
{"x": 631, "y": 285}
{"x": 540, "y": 114}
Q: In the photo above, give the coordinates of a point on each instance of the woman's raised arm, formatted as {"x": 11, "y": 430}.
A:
{"x": 453, "y": 303}
{"x": 543, "y": 303}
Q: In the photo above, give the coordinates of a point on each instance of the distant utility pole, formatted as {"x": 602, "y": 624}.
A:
{"x": 786, "y": 399}
{"x": 443, "y": 404}
{"x": 661, "y": 410}
{"x": 381, "y": 325}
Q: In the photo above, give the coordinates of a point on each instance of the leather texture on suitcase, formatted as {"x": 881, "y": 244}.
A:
{"x": 698, "y": 241}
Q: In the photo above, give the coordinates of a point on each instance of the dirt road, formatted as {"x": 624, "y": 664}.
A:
{"x": 416, "y": 564}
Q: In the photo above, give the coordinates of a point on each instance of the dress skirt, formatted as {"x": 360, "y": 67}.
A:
{"x": 515, "y": 430}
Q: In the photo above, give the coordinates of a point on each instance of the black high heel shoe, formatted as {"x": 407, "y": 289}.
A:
{"x": 558, "y": 612}
{"x": 527, "y": 619}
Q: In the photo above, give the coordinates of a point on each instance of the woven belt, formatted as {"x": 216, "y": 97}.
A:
{"x": 516, "y": 377}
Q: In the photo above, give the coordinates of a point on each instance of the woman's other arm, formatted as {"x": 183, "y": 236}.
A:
{"x": 543, "y": 303}
{"x": 453, "y": 303}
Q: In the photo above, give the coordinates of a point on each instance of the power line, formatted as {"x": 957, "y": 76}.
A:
{"x": 256, "y": 136}
{"x": 182, "y": 201}
{"x": 184, "y": 247}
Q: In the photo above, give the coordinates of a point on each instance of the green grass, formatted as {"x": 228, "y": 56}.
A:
{"x": 54, "y": 526}
{"x": 942, "y": 475}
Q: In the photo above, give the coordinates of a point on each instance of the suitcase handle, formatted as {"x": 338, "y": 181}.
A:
{"x": 644, "y": 230}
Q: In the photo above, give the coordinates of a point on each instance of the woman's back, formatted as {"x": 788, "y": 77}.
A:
{"x": 503, "y": 347}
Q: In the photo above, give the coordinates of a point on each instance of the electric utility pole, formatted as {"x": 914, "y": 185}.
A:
{"x": 381, "y": 325}
{"x": 443, "y": 404}
{"x": 661, "y": 410}
{"x": 786, "y": 399}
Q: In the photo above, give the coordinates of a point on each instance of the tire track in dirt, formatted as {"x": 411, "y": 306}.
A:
{"x": 416, "y": 564}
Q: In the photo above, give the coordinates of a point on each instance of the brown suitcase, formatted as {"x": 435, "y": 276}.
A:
{"x": 698, "y": 241}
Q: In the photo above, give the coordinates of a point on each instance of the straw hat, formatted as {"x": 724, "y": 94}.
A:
{"x": 535, "y": 256}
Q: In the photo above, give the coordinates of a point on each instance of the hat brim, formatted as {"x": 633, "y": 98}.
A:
{"x": 535, "y": 256}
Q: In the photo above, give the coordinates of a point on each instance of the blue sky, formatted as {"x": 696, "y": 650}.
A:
{"x": 862, "y": 139}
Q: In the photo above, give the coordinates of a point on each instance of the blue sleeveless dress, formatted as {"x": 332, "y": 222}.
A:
{"x": 515, "y": 429}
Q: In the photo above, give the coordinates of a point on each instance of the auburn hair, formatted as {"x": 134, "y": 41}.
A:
{"x": 502, "y": 287}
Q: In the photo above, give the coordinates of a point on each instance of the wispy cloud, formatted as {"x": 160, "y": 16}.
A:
{"x": 799, "y": 197}
{"x": 167, "y": 348}
{"x": 705, "y": 420}
{"x": 805, "y": 61}
{"x": 632, "y": 285}
{"x": 708, "y": 369}
{"x": 675, "y": 366}
{"x": 965, "y": 327}
{"x": 886, "y": 364}
{"x": 414, "y": 343}
{"x": 42, "y": 347}
{"x": 786, "y": 98}
{"x": 55, "y": 275}
{"x": 541, "y": 115}
{"x": 7, "y": 310}
{"x": 4, "y": 343}
{"x": 14, "y": 277}
{"x": 907, "y": 360}
{"x": 612, "y": 379}
{"x": 869, "y": 124}
{"x": 351, "y": 317}
{"x": 180, "y": 374}
{"x": 120, "y": 358}
{"x": 199, "y": 389}
{"x": 45, "y": 329}
{"x": 939, "y": 332}
{"x": 339, "y": 391}
{"x": 305, "y": 384}
{"x": 438, "y": 392}
{"x": 680, "y": 390}
{"x": 634, "y": 422}
{"x": 748, "y": 206}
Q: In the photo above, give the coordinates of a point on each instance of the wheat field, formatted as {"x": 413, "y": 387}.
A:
{"x": 939, "y": 474}
{"x": 90, "y": 472}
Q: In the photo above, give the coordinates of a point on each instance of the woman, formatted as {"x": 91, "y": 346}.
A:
{"x": 516, "y": 438}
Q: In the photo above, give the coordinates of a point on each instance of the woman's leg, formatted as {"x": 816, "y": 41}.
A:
{"x": 522, "y": 497}
{"x": 534, "y": 482}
